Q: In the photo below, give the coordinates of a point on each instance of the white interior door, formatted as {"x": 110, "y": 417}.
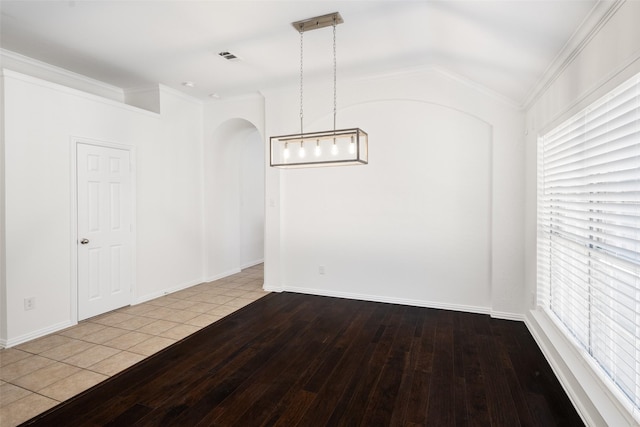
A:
{"x": 104, "y": 229}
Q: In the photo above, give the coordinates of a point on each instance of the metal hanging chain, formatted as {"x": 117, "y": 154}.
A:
{"x": 301, "y": 85}
{"x": 335, "y": 68}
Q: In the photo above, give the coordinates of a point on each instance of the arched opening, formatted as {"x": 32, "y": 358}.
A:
{"x": 234, "y": 198}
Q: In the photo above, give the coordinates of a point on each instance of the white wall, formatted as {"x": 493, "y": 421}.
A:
{"x": 233, "y": 164}
{"x": 611, "y": 56}
{"x": 32, "y": 67}
{"x": 40, "y": 118}
{"x": 170, "y": 199}
{"x": 251, "y": 176}
{"x": 234, "y": 198}
{"x": 435, "y": 219}
{"x": 3, "y": 269}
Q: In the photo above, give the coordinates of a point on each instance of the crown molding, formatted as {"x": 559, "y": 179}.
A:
{"x": 39, "y": 69}
{"x": 62, "y": 88}
{"x": 178, "y": 94}
{"x": 597, "y": 18}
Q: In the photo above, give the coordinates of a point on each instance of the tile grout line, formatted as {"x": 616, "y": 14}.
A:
{"x": 251, "y": 291}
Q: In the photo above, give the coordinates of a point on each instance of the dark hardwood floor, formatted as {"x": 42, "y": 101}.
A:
{"x": 291, "y": 359}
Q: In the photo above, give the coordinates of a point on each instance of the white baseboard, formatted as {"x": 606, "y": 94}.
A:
{"x": 272, "y": 288}
{"x": 418, "y": 303}
{"x": 186, "y": 285}
{"x": 252, "y": 263}
{"x": 149, "y": 297}
{"x": 6, "y": 343}
{"x": 36, "y": 334}
{"x": 381, "y": 298}
{"x": 503, "y": 315}
{"x": 222, "y": 275}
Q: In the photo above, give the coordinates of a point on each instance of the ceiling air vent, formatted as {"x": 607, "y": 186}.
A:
{"x": 229, "y": 56}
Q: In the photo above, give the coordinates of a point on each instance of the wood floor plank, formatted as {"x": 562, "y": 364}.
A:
{"x": 500, "y": 404}
{"x": 461, "y": 336}
{"x": 395, "y": 378}
{"x": 376, "y": 355}
{"x": 294, "y": 404}
{"x": 425, "y": 348}
{"x": 440, "y": 411}
{"x": 279, "y": 377}
{"x": 329, "y": 397}
{"x": 399, "y": 415}
{"x": 517, "y": 393}
{"x": 277, "y": 383}
{"x": 214, "y": 392}
{"x": 475, "y": 390}
{"x": 290, "y": 359}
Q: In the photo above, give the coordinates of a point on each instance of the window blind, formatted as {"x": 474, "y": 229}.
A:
{"x": 589, "y": 236}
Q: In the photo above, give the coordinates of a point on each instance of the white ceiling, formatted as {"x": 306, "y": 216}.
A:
{"x": 504, "y": 46}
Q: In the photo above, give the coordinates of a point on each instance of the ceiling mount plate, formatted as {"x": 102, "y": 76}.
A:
{"x": 317, "y": 22}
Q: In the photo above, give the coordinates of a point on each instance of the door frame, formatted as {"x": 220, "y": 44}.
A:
{"x": 73, "y": 242}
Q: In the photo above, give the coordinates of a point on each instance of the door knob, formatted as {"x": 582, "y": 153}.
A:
{"x": 84, "y": 241}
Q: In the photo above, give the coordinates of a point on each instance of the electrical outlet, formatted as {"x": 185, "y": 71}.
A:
{"x": 321, "y": 269}
{"x": 30, "y": 303}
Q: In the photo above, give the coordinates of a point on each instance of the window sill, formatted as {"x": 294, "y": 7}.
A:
{"x": 595, "y": 403}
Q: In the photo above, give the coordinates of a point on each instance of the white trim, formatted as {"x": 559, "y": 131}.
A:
{"x": 204, "y": 247}
{"x": 272, "y": 288}
{"x": 3, "y": 242}
{"x": 591, "y": 397}
{"x": 61, "y": 71}
{"x": 615, "y": 77}
{"x": 73, "y": 274}
{"x": 73, "y": 226}
{"x": 37, "y": 334}
{"x": 565, "y": 258}
{"x": 142, "y": 89}
{"x": 385, "y": 299}
{"x": 596, "y": 19}
{"x": 503, "y": 315}
{"x": 221, "y": 275}
{"x": 8, "y": 73}
{"x": 160, "y": 88}
{"x": 181, "y": 95}
{"x": 167, "y": 291}
{"x": 251, "y": 263}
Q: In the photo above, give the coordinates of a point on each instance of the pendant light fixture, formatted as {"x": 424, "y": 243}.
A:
{"x": 327, "y": 148}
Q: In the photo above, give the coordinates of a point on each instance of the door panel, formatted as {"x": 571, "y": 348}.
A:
{"x": 104, "y": 229}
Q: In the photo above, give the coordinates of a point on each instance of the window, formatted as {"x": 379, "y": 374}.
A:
{"x": 589, "y": 236}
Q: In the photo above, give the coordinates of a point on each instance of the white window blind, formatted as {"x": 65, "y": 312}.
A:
{"x": 589, "y": 236}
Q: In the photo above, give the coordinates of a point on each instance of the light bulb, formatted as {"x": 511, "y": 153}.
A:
{"x": 334, "y": 148}
{"x": 286, "y": 152}
{"x": 302, "y": 152}
{"x": 317, "y": 150}
{"x": 352, "y": 147}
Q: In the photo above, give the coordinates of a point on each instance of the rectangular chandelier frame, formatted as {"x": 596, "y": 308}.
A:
{"x": 343, "y": 147}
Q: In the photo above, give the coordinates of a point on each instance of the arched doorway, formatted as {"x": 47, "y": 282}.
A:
{"x": 234, "y": 198}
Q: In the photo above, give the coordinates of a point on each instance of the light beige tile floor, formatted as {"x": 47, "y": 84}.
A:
{"x": 39, "y": 374}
